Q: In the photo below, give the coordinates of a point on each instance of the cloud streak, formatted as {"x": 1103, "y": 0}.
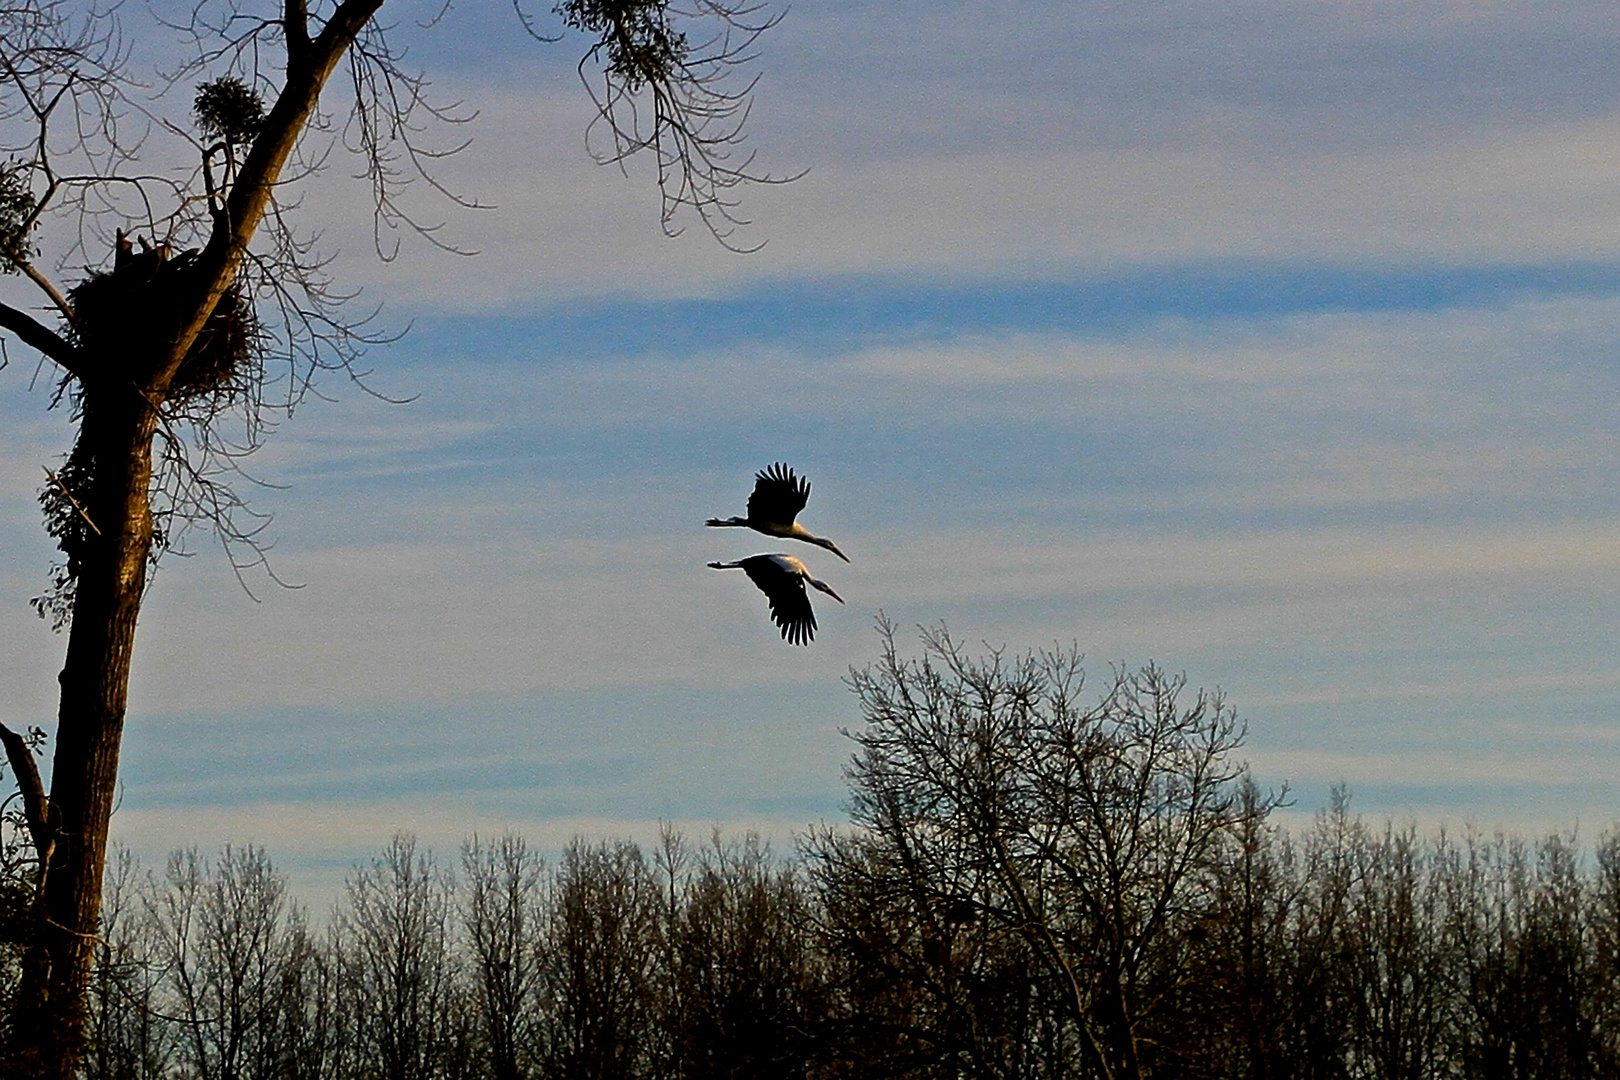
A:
{"x": 1272, "y": 341}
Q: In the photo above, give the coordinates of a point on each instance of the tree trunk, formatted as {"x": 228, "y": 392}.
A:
{"x": 84, "y": 778}
{"x": 122, "y": 394}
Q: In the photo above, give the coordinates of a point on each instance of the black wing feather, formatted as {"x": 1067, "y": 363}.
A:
{"x": 790, "y": 603}
{"x": 778, "y": 495}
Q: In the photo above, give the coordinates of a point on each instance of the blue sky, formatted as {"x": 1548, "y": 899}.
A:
{"x": 1273, "y": 342}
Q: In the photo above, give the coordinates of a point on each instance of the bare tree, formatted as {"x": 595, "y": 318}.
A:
{"x": 1266, "y": 978}
{"x": 129, "y": 1040}
{"x": 408, "y": 1019}
{"x": 505, "y": 919}
{"x": 1397, "y": 965}
{"x": 1604, "y": 921}
{"x": 603, "y": 956}
{"x": 923, "y": 985}
{"x": 1527, "y": 935}
{"x": 218, "y": 954}
{"x": 201, "y": 972}
{"x": 206, "y": 314}
{"x": 985, "y": 791}
{"x": 743, "y": 990}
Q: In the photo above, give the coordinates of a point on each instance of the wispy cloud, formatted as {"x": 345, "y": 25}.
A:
{"x": 1273, "y": 341}
{"x": 1043, "y": 213}
{"x": 1046, "y": 140}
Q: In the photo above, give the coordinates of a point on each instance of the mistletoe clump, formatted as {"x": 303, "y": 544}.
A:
{"x": 228, "y": 110}
{"x": 16, "y": 215}
{"x": 641, "y": 45}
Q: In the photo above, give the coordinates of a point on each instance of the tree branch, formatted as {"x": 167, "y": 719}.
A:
{"x": 295, "y": 26}
{"x": 254, "y": 186}
{"x": 36, "y": 334}
{"x": 36, "y": 807}
{"x": 49, "y": 289}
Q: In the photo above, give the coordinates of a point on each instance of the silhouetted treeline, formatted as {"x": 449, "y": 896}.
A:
{"x": 1341, "y": 952}
{"x": 1034, "y": 883}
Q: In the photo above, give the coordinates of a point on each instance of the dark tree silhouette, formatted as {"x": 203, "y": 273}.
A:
{"x": 1332, "y": 952}
{"x": 989, "y": 799}
{"x": 205, "y": 314}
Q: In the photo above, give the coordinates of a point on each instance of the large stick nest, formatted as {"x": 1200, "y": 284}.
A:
{"x": 114, "y": 311}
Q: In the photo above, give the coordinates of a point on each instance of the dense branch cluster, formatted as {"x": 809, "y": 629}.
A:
{"x": 656, "y": 91}
{"x": 16, "y": 213}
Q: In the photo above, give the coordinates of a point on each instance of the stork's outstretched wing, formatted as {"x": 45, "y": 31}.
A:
{"x": 790, "y": 604}
{"x": 778, "y": 495}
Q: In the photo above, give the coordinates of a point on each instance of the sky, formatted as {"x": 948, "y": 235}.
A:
{"x": 1272, "y": 342}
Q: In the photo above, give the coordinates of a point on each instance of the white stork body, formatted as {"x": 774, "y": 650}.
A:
{"x": 777, "y": 499}
{"x": 782, "y": 579}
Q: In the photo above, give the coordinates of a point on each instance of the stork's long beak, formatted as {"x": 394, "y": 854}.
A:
{"x": 826, "y": 588}
{"x": 832, "y": 547}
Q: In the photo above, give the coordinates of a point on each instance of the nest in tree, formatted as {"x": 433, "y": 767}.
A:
{"x": 226, "y": 349}
{"x": 112, "y": 309}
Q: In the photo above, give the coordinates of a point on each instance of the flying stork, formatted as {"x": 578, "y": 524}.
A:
{"x": 777, "y": 499}
{"x": 782, "y": 579}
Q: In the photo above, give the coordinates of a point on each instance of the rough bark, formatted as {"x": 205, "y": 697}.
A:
{"x": 90, "y": 722}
